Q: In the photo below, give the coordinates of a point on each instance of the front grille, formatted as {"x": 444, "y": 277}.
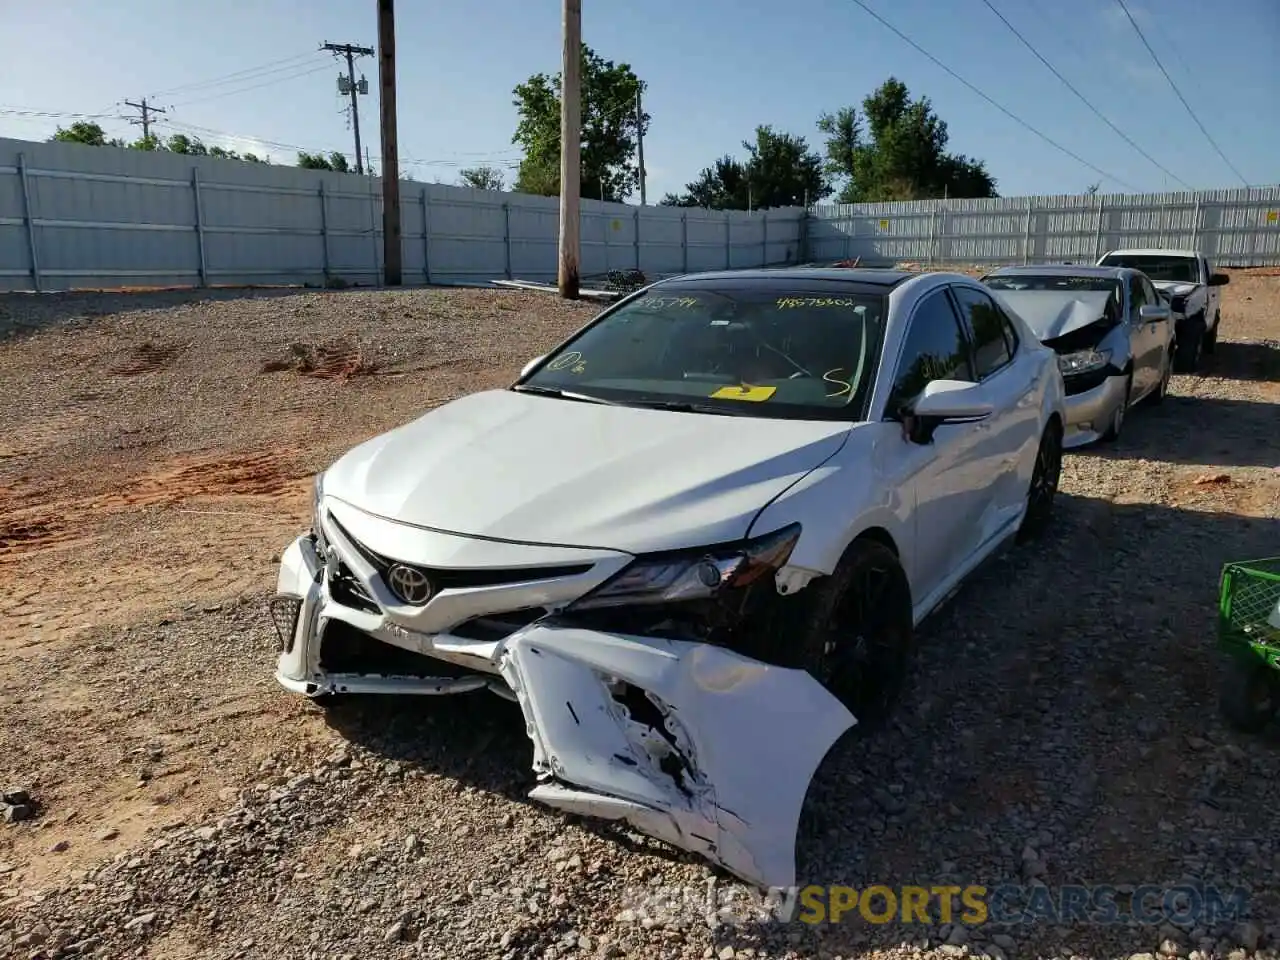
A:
{"x": 350, "y": 592}
{"x": 496, "y": 626}
{"x": 443, "y": 578}
{"x": 344, "y": 649}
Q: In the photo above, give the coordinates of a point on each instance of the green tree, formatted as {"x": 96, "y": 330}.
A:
{"x": 901, "y": 154}
{"x": 780, "y": 171}
{"x": 190, "y": 146}
{"x": 483, "y": 177}
{"x": 86, "y": 132}
{"x": 149, "y": 142}
{"x": 610, "y": 129}
{"x": 318, "y": 161}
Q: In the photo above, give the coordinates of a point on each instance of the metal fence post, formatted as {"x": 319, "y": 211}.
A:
{"x": 764, "y": 243}
{"x": 426, "y": 237}
{"x": 684, "y": 243}
{"x": 506, "y": 237}
{"x": 195, "y": 192}
{"x": 1195, "y": 226}
{"x": 29, "y": 220}
{"x": 636, "y": 237}
{"x": 728, "y": 244}
{"x": 933, "y": 224}
{"x": 1026, "y": 237}
{"x": 324, "y": 229}
{"x": 1097, "y": 237}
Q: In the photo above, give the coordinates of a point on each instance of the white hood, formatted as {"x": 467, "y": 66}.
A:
{"x": 1051, "y": 313}
{"x": 513, "y": 466}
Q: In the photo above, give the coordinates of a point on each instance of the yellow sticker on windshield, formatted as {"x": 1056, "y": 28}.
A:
{"x": 744, "y": 392}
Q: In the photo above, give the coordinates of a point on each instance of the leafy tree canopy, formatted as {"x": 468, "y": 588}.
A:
{"x": 335, "y": 161}
{"x": 610, "y": 129}
{"x": 483, "y": 177}
{"x": 91, "y": 134}
{"x": 780, "y": 171}
{"x": 900, "y": 153}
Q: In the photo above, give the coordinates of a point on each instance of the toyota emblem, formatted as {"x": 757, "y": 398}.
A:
{"x": 409, "y": 584}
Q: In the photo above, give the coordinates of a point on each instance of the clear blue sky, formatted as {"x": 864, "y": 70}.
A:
{"x": 714, "y": 70}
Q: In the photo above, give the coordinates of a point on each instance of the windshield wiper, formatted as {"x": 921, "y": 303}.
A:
{"x": 680, "y": 406}
{"x": 562, "y": 394}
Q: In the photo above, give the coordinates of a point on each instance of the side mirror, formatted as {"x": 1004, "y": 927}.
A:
{"x": 528, "y": 368}
{"x": 1154, "y": 312}
{"x": 1219, "y": 279}
{"x": 946, "y": 401}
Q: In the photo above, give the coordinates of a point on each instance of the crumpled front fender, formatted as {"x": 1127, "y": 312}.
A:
{"x": 691, "y": 743}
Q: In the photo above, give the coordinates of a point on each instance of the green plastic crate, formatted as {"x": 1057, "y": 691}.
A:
{"x": 1247, "y": 596}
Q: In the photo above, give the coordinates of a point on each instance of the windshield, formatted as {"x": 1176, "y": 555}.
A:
{"x": 757, "y": 349}
{"x": 1060, "y": 284}
{"x": 1172, "y": 269}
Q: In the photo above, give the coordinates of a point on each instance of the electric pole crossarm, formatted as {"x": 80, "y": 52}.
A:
{"x": 145, "y": 120}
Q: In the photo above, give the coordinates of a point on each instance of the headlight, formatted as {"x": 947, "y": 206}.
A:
{"x": 693, "y": 574}
{"x": 1083, "y": 361}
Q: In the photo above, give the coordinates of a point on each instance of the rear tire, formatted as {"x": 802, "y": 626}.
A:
{"x": 857, "y": 635}
{"x": 1190, "y": 345}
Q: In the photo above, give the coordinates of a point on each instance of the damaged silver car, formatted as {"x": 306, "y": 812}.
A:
{"x": 1111, "y": 330}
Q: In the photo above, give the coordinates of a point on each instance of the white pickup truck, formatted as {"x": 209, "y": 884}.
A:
{"x": 1186, "y": 279}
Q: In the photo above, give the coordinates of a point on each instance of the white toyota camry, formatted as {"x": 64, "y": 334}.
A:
{"x": 692, "y": 541}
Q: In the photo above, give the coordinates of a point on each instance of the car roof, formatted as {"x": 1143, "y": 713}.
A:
{"x": 1060, "y": 270}
{"x": 1151, "y": 252}
{"x": 858, "y": 275}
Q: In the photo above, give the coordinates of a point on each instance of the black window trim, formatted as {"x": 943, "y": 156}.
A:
{"x": 887, "y": 416}
{"x": 971, "y": 336}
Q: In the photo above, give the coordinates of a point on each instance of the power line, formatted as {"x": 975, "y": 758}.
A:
{"x": 255, "y": 86}
{"x": 56, "y": 115}
{"x": 145, "y": 120}
{"x": 1003, "y": 109}
{"x": 1213, "y": 143}
{"x": 1083, "y": 99}
{"x": 274, "y": 65}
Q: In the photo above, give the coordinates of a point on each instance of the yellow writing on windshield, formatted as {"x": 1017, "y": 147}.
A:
{"x": 785, "y": 303}
{"x": 744, "y": 392}
{"x": 664, "y": 303}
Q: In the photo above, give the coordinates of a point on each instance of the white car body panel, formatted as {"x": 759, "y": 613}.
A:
{"x": 539, "y": 470}
{"x": 1201, "y": 298}
{"x": 509, "y": 483}
{"x": 748, "y": 768}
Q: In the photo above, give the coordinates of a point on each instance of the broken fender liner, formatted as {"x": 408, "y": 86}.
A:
{"x": 727, "y": 775}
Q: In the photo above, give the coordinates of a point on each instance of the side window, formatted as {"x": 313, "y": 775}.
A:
{"x": 991, "y": 349}
{"x": 935, "y": 349}
{"x": 1137, "y": 297}
{"x": 1151, "y": 294}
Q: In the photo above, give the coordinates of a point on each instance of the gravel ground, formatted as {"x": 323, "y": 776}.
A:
{"x": 1063, "y": 728}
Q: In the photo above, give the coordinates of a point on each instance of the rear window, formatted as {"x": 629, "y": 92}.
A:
{"x": 751, "y": 349}
{"x": 1169, "y": 269}
{"x": 1062, "y": 284}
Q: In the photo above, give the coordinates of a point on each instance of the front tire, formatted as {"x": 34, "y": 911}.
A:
{"x": 1120, "y": 414}
{"x": 857, "y": 636}
{"x": 1189, "y": 346}
{"x": 1044, "y": 484}
{"x": 1211, "y": 336}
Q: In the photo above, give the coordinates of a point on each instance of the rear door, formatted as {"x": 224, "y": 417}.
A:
{"x": 1011, "y": 435}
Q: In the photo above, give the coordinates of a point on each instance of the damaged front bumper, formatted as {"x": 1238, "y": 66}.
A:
{"x": 1091, "y": 411}
{"x": 690, "y": 743}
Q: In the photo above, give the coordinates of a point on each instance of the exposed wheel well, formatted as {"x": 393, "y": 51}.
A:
{"x": 879, "y": 535}
{"x": 1055, "y": 423}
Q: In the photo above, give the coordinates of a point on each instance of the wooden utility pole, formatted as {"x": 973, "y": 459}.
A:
{"x": 351, "y": 87}
{"x": 390, "y": 147}
{"x": 147, "y": 110}
{"x": 570, "y": 148}
{"x": 640, "y": 140}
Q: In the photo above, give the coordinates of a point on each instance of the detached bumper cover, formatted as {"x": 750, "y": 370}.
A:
{"x": 716, "y": 759}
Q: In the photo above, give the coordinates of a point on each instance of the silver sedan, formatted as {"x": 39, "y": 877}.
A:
{"x": 1111, "y": 331}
